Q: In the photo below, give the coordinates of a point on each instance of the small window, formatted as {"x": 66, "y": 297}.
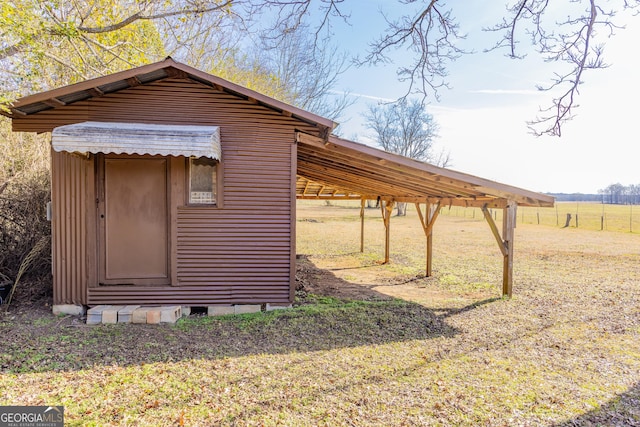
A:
{"x": 202, "y": 181}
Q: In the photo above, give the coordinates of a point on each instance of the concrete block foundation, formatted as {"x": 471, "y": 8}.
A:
{"x": 247, "y": 308}
{"x": 125, "y": 315}
{"x": 220, "y": 310}
{"x": 94, "y": 315}
{"x": 271, "y": 307}
{"x": 139, "y": 315}
{"x": 109, "y": 314}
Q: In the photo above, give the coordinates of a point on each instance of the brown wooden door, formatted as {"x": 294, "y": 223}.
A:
{"x": 133, "y": 222}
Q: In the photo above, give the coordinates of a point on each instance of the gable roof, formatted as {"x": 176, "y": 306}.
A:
{"x": 100, "y": 86}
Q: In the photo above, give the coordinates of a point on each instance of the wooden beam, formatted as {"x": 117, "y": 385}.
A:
{"x": 387, "y": 209}
{"x": 95, "y": 92}
{"x": 505, "y": 242}
{"x": 329, "y": 197}
{"x": 362, "y": 202}
{"x": 54, "y": 102}
{"x": 18, "y": 112}
{"x": 432, "y": 211}
{"x": 305, "y": 138}
{"x": 494, "y": 230}
{"x": 133, "y": 81}
{"x": 508, "y": 233}
{"x": 174, "y": 73}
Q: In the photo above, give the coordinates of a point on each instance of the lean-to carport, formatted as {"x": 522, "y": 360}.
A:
{"x": 338, "y": 169}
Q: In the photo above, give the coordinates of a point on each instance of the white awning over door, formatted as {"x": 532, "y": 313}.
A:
{"x": 138, "y": 138}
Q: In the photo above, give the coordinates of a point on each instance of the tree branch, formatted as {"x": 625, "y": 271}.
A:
{"x": 139, "y": 16}
{"x": 570, "y": 41}
{"x": 12, "y": 50}
{"x": 432, "y": 35}
{"x": 578, "y": 51}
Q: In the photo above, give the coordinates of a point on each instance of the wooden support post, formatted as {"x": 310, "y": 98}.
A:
{"x": 362, "y": 202}
{"x": 387, "y": 209}
{"x": 432, "y": 212}
{"x": 508, "y": 233}
{"x": 505, "y": 242}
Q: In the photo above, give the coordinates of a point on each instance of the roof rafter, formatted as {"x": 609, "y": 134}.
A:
{"x": 355, "y": 168}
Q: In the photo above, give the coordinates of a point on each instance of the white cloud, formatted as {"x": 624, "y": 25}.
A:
{"x": 361, "y": 95}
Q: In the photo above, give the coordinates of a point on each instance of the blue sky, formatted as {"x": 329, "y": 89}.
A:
{"x": 483, "y": 117}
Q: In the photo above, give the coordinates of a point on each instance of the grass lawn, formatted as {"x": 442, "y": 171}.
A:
{"x": 584, "y": 215}
{"x": 368, "y": 344}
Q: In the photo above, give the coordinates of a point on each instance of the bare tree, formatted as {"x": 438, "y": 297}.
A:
{"x": 614, "y": 193}
{"x": 46, "y": 45}
{"x": 571, "y": 41}
{"x": 96, "y": 31}
{"x": 308, "y": 70}
{"x": 430, "y": 30}
{"x": 405, "y": 128}
{"x": 621, "y": 194}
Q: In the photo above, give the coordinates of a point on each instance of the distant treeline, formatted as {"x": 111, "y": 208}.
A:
{"x": 576, "y": 197}
{"x": 615, "y": 194}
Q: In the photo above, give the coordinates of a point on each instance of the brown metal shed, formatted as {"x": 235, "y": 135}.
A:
{"x": 173, "y": 186}
{"x": 127, "y": 226}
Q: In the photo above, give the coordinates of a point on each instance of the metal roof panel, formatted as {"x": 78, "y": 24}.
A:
{"x": 138, "y": 138}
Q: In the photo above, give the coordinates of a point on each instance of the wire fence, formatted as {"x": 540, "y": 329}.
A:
{"x": 588, "y": 216}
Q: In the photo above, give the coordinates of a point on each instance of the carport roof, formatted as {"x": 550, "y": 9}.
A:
{"x": 341, "y": 169}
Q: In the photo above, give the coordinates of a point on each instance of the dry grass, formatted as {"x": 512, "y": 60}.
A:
{"x": 449, "y": 351}
{"x": 584, "y": 215}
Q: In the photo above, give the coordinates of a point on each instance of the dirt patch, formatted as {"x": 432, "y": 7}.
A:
{"x": 313, "y": 280}
{"x": 348, "y": 278}
{"x": 32, "y": 299}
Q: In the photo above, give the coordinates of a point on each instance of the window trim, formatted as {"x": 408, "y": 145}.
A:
{"x": 219, "y": 186}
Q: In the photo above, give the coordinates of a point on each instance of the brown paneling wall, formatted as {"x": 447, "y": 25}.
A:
{"x": 240, "y": 253}
{"x": 69, "y": 227}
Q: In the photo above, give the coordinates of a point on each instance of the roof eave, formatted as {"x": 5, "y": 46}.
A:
{"x": 51, "y": 97}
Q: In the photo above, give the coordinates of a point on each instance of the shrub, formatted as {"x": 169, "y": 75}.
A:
{"x": 24, "y": 193}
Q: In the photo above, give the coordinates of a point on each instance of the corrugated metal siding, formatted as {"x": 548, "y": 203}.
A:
{"x": 68, "y": 225}
{"x": 241, "y": 253}
{"x": 45, "y": 121}
{"x": 245, "y": 254}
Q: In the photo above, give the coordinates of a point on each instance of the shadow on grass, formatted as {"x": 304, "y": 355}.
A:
{"x": 448, "y": 312}
{"x": 317, "y": 322}
{"x": 623, "y": 410}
